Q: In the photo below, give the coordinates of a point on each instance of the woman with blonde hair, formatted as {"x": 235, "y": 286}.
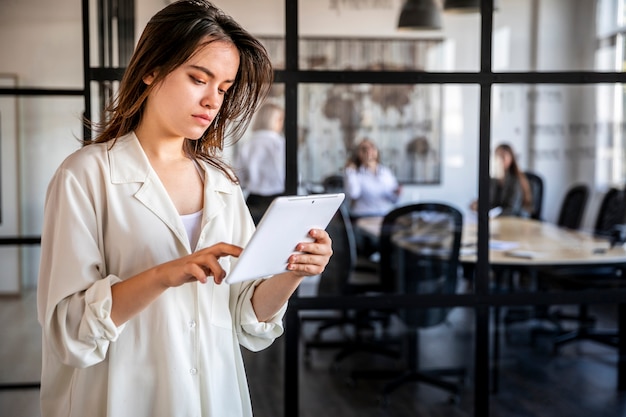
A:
{"x": 371, "y": 188}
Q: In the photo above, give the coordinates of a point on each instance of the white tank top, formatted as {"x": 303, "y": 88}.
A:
{"x": 192, "y": 224}
{"x": 193, "y": 221}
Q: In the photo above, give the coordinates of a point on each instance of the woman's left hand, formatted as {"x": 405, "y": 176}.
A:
{"x": 314, "y": 257}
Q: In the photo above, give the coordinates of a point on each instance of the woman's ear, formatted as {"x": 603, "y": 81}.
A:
{"x": 149, "y": 78}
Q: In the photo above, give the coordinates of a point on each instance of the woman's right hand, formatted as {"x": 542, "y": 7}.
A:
{"x": 199, "y": 265}
{"x": 132, "y": 295}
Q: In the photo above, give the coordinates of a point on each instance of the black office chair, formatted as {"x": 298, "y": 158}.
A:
{"x": 609, "y": 225}
{"x": 334, "y": 281}
{"x": 570, "y": 216}
{"x": 333, "y": 183}
{"x": 419, "y": 248}
{"x": 536, "y": 188}
{"x": 610, "y": 213}
{"x": 573, "y": 207}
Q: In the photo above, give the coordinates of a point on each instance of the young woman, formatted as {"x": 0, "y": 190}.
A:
{"x": 509, "y": 187}
{"x": 141, "y": 227}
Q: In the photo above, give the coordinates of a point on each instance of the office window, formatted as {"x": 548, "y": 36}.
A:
{"x": 610, "y": 55}
{"x": 538, "y": 36}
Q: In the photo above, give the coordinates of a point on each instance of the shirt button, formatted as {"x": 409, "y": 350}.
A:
{"x": 192, "y": 324}
{"x": 193, "y": 371}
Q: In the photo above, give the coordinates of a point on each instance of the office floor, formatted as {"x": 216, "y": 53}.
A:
{"x": 579, "y": 382}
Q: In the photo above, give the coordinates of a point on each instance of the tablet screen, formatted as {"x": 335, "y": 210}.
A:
{"x": 286, "y": 223}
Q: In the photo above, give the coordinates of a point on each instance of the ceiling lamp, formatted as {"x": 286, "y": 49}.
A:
{"x": 420, "y": 15}
{"x": 463, "y": 6}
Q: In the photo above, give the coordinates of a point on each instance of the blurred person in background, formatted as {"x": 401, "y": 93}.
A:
{"x": 371, "y": 188}
{"x": 510, "y": 191}
{"x": 260, "y": 162}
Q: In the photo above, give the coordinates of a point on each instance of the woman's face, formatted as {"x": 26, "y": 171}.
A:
{"x": 506, "y": 158}
{"x": 185, "y": 103}
{"x": 368, "y": 153}
{"x": 500, "y": 163}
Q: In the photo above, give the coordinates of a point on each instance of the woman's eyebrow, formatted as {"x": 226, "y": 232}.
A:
{"x": 208, "y": 72}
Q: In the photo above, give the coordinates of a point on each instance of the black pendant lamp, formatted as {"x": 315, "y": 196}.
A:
{"x": 420, "y": 15}
{"x": 463, "y": 6}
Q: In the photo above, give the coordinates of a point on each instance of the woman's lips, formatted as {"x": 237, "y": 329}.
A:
{"x": 203, "y": 119}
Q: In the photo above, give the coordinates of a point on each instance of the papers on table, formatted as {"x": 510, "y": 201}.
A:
{"x": 502, "y": 244}
{"x": 499, "y": 245}
{"x": 495, "y": 212}
{"x": 525, "y": 254}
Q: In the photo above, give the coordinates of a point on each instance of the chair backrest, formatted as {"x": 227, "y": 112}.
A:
{"x": 419, "y": 254}
{"x": 334, "y": 280}
{"x": 611, "y": 212}
{"x": 333, "y": 183}
{"x": 536, "y": 188}
{"x": 573, "y": 207}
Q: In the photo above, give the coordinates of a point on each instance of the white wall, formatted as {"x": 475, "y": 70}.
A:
{"x": 41, "y": 42}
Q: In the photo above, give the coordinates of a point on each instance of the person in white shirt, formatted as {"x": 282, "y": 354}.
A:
{"x": 142, "y": 225}
{"x": 260, "y": 161}
{"x": 371, "y": 188}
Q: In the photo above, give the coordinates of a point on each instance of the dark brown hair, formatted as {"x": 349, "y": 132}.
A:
{"x": 515, "y": 171}
{"x": 170, "y": 38}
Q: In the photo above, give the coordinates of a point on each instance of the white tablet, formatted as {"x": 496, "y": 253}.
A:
{"x": 286, "y": 223}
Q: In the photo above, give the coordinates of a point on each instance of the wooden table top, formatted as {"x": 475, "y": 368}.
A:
{"x": 519, "y": 241}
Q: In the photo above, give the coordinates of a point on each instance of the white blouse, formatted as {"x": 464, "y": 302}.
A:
{"x": 108, "y": 217}
{"x": 370, "y": 193}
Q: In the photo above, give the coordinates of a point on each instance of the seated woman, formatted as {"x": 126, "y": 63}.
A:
{"x": 510, "y": 189}
{"x": 371, "y": 188}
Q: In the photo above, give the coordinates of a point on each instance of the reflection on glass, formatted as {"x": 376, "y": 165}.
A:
{"x": 359, "y": 54}
{"x": 402, "y": 120}
{"x": 554, "y": 36}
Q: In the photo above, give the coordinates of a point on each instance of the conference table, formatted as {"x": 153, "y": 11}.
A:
{"x": 515, "y": 241}
{"x": 519, "y": 243}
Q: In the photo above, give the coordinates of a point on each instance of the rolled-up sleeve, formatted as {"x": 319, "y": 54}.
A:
{"x": 96, "y": 326}
{"x": 253, "y": 334}
{"x": 74, "y": 294}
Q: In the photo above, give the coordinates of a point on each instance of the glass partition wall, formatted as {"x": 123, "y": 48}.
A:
{"x": 486, "y": 79}
{"x": 539, "y": 75}
{"x": 545, "y": 76}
